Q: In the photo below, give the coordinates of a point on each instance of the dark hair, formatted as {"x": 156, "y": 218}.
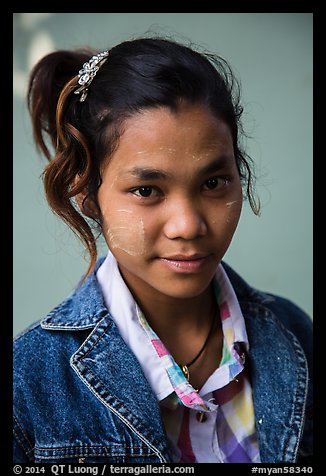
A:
{"x": 138, "y": 74}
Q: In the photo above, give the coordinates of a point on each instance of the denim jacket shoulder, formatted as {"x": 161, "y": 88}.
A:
{"x": 80, "y": 394}
{"x": 281, "y": 364}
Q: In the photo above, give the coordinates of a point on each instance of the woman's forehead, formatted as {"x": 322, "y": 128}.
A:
{"x": 192, "y": 131}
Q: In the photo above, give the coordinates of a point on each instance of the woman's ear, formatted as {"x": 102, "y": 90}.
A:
{"x": 87, "y": 206}
{"x": 85, "y": 203}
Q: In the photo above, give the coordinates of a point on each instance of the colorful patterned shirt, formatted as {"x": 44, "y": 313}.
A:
{"x": 216, "y": 424}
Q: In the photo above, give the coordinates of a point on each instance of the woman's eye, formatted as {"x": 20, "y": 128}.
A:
{"x": 213, "y": 183}
{"x": 144, "y": 192}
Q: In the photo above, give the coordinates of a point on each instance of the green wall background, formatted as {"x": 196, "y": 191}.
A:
{"x": 272, "y": 55}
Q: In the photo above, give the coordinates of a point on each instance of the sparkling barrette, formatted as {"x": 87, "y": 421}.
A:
{"x": 88, "y": 73}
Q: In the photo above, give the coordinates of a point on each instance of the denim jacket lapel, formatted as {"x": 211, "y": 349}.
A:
{"x": 106, "y": 365}
{"x": 108, "y": 368}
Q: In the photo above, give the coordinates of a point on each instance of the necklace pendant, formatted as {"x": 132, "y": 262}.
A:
{"x": 185, "y": 371}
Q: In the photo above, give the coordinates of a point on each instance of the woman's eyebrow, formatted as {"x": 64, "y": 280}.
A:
{"x": 216, "y": 165}
{"x": 149, "y": 173}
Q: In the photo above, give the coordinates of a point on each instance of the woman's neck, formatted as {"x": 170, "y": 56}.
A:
{"x": 181, "y": 315}
{"x": 181, "y": 324}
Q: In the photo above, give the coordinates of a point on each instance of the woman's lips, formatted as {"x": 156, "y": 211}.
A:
{"x": 185, "y": 264}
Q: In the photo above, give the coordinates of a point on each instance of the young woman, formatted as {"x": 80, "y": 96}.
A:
{"x": 162, "y": 353}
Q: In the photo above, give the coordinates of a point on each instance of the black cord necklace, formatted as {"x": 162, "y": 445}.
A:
{"x": 185, "y": 368}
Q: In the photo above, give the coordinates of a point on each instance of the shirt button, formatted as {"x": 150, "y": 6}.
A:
{"x": 201, "y": 417}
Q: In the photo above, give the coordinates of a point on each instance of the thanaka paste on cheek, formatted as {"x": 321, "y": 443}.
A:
{"x": 126, "y": 235}
{"x": 230, "y": 212}
{"x": 230, "y": 215}
{"x": 229, "y": 204}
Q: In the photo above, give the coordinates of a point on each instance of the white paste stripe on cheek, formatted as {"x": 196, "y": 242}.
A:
{"x": 129, "y": 237}
{"x": 230, "y": 215}
{"x": 229, "y": 204}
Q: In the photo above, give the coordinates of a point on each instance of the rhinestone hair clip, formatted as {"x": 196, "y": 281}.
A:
{"x": 88, "y": 73}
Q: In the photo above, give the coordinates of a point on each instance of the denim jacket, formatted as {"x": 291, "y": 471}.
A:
{"x": 80, "y": 395}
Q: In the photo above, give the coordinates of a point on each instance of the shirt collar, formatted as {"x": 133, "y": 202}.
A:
{"x": 123, "y": 310}
{"x": 230, "y": 308}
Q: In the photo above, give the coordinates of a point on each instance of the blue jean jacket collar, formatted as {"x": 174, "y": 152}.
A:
{"x": 83, "y": 309}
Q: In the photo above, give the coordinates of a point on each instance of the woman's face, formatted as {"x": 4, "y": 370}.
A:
{"x": 171, "y": 199}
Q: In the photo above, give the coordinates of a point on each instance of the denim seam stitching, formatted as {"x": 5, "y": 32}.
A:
{"x": 303, "y": 360}
{"x": 64, "y": 451}
{"x": 98, "y": 339}
{"x": 269, "y": 315}
{"x": 21, "y": 441}
{"x": 114, "y": 410}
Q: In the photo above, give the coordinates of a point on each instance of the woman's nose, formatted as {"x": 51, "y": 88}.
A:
{"x": 184, "y": 220}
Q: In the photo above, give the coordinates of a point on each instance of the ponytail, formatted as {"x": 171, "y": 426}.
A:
{"x": 51, "y": 84}
{"x": 47, "y": 80}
